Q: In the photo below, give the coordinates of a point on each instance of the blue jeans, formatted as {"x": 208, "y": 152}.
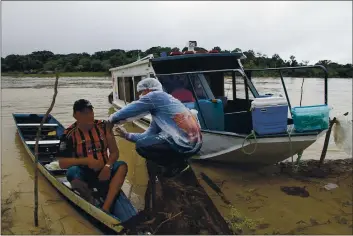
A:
{"x": 88, "y": 175}
{"x": 162, "y": 151}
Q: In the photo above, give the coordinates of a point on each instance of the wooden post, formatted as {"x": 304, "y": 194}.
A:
{"x": 39, "y": 131}
{"x": 327, "y": 139}
{"x": 301, "y": 92}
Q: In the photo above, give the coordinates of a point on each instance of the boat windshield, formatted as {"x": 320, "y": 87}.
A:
{"x": 212, "y": 94}
{"x": 181, "y": 87}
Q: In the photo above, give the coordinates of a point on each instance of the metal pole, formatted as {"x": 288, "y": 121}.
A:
{"x": 133, "y": 88}
{"x": 124, "y": 90}
{"x": 248, "y": 74}
{"x": 246, "y": 89}
{"x": 197, "y": 101}
{"x": 326, "y": 92}
{"x": 285, "y": 91}
{"x": 234, "y": 86}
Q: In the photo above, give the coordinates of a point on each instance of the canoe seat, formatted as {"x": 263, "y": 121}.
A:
{"x": 43, "y": 142}
{"x": 37, "y": 125}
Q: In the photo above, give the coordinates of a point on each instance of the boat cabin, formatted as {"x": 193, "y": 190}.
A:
{"x": 211, "y": 83}
{"x": 125, "y": 78}
{"x": 221, "y": 90}
{"x": 215, "y": 84}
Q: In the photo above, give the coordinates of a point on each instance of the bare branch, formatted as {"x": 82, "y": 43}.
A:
{"x": 39, "y": 131}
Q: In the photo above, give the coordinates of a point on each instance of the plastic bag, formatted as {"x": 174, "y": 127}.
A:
{"x": 342, "y": 133}
{"x": 330, "y": 186}
{"x": 53, "y": 166}
{"x": 194, "y": 113}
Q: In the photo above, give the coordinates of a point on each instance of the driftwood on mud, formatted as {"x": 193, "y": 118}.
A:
{"x": 180, "y": 206}
{"x": 39, "y": 131}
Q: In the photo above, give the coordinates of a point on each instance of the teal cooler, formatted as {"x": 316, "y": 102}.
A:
{"x": 269, "y": 115}
{"x": 311, "y": 118}
{"x": 212, "y": 113}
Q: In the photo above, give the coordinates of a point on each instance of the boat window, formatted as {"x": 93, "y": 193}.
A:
{"x": 115, "y": 88}
{"x": 240, "y": 89}
{"x": 178, "y": 86}
{"x": 120, "y": 88}
{"x": 215, "y": 83}
{"x": 228, "y": 86}
{"x": 137, "y": 79}
{"x": 129, "y": 89}
{"x": 201, "y": 86}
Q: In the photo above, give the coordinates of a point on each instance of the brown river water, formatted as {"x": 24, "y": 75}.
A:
{"x": 256, "y": 198}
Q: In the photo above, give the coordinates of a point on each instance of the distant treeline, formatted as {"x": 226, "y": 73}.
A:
{"x": 40, "y": 62}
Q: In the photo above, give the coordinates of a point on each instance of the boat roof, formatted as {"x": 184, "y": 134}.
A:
{"x": 141, "y": 61}
{"x": 196, "y": 62}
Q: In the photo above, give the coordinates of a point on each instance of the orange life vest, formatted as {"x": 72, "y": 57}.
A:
{"x": 89, "y": 143}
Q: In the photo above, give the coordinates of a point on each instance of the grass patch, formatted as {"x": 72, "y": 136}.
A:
{"x": 62, "y": 74}
{"x": 240, "y": 224}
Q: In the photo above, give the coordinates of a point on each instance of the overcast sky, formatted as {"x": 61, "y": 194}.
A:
{"x": 308, "y": 30}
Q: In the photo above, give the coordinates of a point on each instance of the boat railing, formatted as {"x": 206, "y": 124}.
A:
{"x": 199, "y": 72}
{"x": 247, "y": 82}
{"x": 248, "y": 73}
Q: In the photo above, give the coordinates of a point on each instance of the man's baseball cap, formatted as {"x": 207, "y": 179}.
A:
{"x": 82, "y": 104}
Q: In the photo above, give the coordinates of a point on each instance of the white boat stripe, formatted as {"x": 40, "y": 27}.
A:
{"x": 43, "y": 142}
{"x": 36, "y": 124}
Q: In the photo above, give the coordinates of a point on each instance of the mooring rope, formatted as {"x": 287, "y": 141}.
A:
{"x": 252, "y": 134}
{"x": 290, "y": 143}
{"x": 300, "y": 153}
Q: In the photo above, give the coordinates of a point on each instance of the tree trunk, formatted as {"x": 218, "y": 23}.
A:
{"x": 181, "y": 206}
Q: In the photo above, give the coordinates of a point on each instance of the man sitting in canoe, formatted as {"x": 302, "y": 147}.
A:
{"x": 174, "y": 134}
{"x": 83, "y": 151}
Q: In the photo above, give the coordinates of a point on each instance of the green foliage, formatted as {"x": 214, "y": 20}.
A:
{"x": 40, "y": 62}
{"x": 62, "y": 74}
{"x": 96, "y": 65}
{"x": 241, "y": 224}
{"x": 85, "y": 64}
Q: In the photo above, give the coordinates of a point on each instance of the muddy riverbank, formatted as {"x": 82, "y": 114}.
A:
{"x": 251, "y": 202}
{"x": 277, "y": 200}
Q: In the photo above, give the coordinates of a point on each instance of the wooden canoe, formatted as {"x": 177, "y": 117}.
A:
{"x": 27, "y": 125}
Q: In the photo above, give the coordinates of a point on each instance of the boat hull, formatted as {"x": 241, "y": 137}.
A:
{"x": 57, "y": 181}
{"x": 260, "y": 152}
